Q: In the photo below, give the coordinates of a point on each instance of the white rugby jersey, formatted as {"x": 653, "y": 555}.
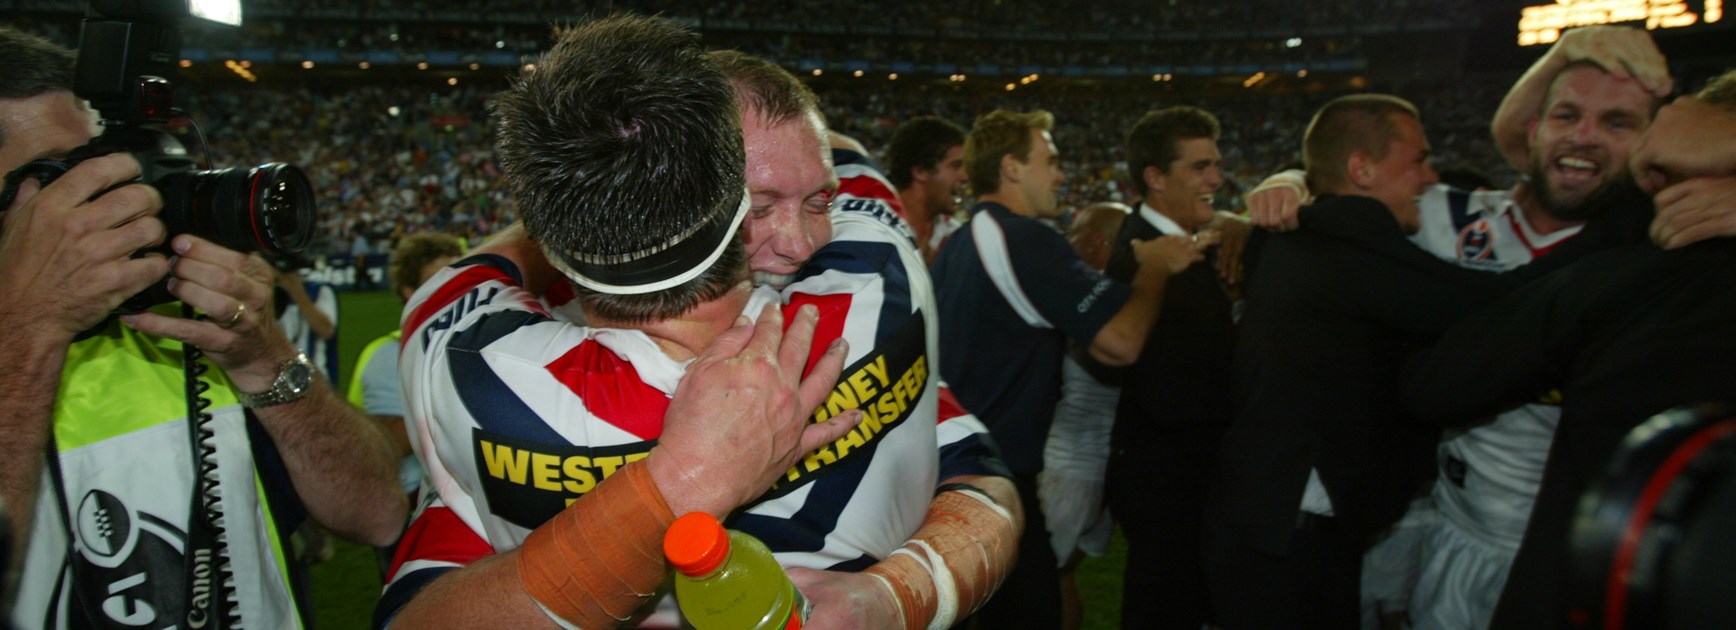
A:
{"x": 516, "y": 411}
{"x": 1489, "y": 474}
{"x": 1481, "y": 230}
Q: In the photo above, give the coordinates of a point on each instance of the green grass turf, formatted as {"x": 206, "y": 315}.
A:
{"x": 1100, "y": 585}
{"x": 345, "y": 588}
{"x": 362, "y": 316}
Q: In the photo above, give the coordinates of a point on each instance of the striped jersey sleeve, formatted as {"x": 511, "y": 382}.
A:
{"x": 436, "y": 543}
{"x": 867, "y": 214}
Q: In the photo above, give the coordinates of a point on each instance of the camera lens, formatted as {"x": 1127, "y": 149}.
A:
{"x": 267, "y": 208}
{"x": 284, "y": 204}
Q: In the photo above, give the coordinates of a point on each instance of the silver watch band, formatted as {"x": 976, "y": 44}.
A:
{"x": 294, "y": 380}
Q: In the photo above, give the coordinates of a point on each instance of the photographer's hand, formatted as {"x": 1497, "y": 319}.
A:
{"x": 66, "y": 253}
{"x": 233, "y": 289}
{"x": 66, "y": 260}
{"x": 341, "y": 462}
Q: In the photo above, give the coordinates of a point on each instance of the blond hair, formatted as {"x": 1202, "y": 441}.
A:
{"x": 995, "y": 134}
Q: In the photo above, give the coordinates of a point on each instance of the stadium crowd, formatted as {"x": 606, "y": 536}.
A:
{"x": 399, "y": 160}
{"x": 1010, "y": 17}
{"x": 394, "y": 161}
{"x": 1009, "y": 33}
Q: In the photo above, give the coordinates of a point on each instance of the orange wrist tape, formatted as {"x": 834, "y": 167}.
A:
{"x": 911, "y": 579}
{"x": 952, "y": 565}
{"x": 599, "y": 560}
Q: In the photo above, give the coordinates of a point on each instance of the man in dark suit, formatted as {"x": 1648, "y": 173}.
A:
{"x": 1012, "y": 293}
{"x": 1176, "y": 401}
{"x": 1624, "y": 335}
{"x": 1321, "y": 457}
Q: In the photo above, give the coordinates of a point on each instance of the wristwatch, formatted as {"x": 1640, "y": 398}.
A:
{"x": 294, "y": 380}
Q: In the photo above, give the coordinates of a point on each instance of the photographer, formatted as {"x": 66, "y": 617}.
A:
{"x": 121, "y": 476}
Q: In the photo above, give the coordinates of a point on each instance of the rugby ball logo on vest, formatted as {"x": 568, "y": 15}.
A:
{"x": 105, "y": 527}
{"x": 128, "y": 567}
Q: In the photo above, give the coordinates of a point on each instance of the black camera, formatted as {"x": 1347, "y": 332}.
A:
{"x": 127, "y": 53}
{"x": 1651, "y": 544}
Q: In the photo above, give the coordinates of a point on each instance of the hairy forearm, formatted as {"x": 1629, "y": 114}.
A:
{"x": 1121, "y": 340}
{"x": 594, "y": 564}
{"x": 342, "y": 464}
{"x": 485, "y": 595}
{"x": 27, "y": 389}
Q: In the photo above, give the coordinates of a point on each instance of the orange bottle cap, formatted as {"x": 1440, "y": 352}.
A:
{"x": 696, "y": 544}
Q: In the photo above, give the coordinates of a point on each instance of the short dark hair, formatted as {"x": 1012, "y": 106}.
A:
{"x": 622, "y": 141}
{"x": 1156, "y": 139}
{"x": 1358, "y": 123}
{"x": 920, "y": 143}
{"x": 415, "y": 252}
{"x": 766, "y": 87}
{"x": 1720, "y": 91}
{"x": 996, "y": 134}
{"x": 31, "y": 66}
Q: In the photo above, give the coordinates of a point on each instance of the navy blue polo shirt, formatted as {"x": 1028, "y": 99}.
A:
{"x": 1012, "y": 292}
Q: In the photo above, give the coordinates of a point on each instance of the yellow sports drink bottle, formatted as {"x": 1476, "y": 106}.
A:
{"x": 727, "y": 580}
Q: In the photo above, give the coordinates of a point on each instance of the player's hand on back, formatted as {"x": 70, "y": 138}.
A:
{"x": 1274, "y": 204}
{"x": 739, "y": 418}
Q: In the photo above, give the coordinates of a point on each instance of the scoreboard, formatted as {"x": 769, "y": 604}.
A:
{"x": 1543, "y": 24}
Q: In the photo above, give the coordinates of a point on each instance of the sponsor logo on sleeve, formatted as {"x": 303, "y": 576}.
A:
{"x": 886, "y": 386}
{"x": 876, "y": 209}
{"x": 527, "y": 483}
{"x": 454, "y": 313}
{"x": 1096, "y": 293}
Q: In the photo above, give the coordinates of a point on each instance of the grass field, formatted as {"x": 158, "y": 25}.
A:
{"x": 345, "y": 588}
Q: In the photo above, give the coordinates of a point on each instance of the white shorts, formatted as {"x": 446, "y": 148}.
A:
{"x": 1461, "y": 580}
{"x": 1070, "y": 488}
{"x": 1073, "y": 509}
{"x": 1391, "y": 567}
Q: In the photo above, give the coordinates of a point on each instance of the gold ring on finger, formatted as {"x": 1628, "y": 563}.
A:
{"x": 240, "y": 309}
